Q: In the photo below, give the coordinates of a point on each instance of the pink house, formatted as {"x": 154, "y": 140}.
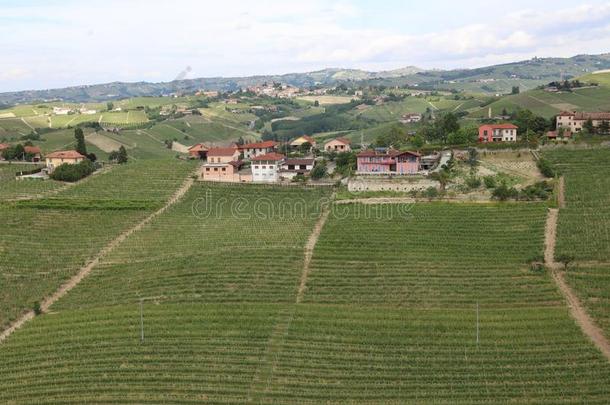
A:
{"x": 498, "y": 133}
{"x": 389, "y": 162}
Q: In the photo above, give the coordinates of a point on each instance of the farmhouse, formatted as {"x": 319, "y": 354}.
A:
{"x": 296, "y": 144}
{"x": 388, "y": 162}
{"x": 292, "y": 167}
{"x": 34, "y": 152}
{"x": 574, "y": 121}
{"x": 58, "y": 158}
{"x": 498, "y": 133}
{"x": 266, "y": 168}
{"x": 61, "y": 111}
{"x": 250, "y": 150}
{"x": 222, "y": 155}
{"x": 198, "y": 151}
{"x": 228, "y": 172}
{"x": 338, "y": 145}
{"x": 410, "y": 118}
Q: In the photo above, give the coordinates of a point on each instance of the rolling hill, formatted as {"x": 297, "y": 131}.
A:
{"x": 493, "y": 79}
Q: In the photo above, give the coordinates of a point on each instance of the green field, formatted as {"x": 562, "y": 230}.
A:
{"x": 584, "y": 223}
{"x": 45, "y": 242}
{"x": 583, "y": 228}
{"x": 10, "y": 188}
{"x": 388, "y": 314}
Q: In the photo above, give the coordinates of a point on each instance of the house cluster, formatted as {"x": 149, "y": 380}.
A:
{"x": 410, "y": 118}
{"x": 276, "y": 90}
{"x": 33, "y": 152}
{"x": 575, "y": 121}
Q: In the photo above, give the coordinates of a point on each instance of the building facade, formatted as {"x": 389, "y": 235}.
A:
{"x": 498, "y": 133}
{"x": 293, "y": 167}
{"x": 389, "y": 162}
{"x": 55, "y": 159}
{"x": 574, "y": 121}
{"x": 338, "y": 145}
{"x": 266, "y": 168}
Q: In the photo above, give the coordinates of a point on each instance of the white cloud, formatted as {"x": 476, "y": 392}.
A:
{"x": 84, "y": 42}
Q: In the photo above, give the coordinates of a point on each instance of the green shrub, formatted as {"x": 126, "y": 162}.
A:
{"x": 545, "y": 168}
{"x": 503, "y": 192}
{"x": 490, "y": 182}
{"x": 73, "y": 172}
{"x": 473, "y": 182}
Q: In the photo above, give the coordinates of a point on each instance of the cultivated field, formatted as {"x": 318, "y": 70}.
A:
{"x": 45, "y": 241}
{"x": 10, "y": 188}
{"x": 326, "y": 100}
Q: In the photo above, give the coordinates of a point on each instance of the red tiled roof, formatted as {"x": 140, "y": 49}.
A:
{"x": 259, "y": 145}
{"x": 32, "y": 149}
{"x": 65, "y": 154}
{"x": 344, "y": 141}
{"x": 221, "y": 152}
{"x": 199, "y": 147}
{"x": 4, "y": 146}
{"x": 501, "y": 126}
{"x": 566, "y": 114}
{"x": 299, "y": 161}
{"x": 598, "y": 116}
{"x": 268, "y": 156}
{"x": 391, "y": 153}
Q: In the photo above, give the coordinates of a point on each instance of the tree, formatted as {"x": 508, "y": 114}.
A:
{"x": 417, "y": 141}
{"x": 473, "y": 159}
{"x": 515, "y": 90}
{"x": 318, "y": 171}
{"x": 346, "y": 163}
{"x": 604, "y": 128}
{"x": 110, "y": 106}
{"x": 305, "y": 147}
{"x": 122, "y": 155}
{"x": 316, "y": 103}
{"x": 565, "y": 260}
{"x": 588, "y": 126}
{"x": 81, "y": 147}
{"x": 442, "y": 176}
{"x": 449, "y": 123}
{"x": 73, "y": 172}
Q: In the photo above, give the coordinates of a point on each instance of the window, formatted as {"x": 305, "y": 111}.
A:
{"x": 224, "y": 169}
{"x": 256, "y": 167}
{"x": 207, "y": 169}
{"x": 264, "y": 167}
{"x": 215, "y": 169}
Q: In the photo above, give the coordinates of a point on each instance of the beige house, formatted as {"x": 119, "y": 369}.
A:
{"x": 296, "y": 144}
{"x": 225, "y": 172}
{"x": 223, "y": 155}
{"x": 338, "y": 145}
{"x": 58, "y": 158}
{"x": 574, "y": 121}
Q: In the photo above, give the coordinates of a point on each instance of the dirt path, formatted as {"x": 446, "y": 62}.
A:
{"x": 86, "y": 270}
{"x": 309, "y": 247}
{"x": 578, "y": 312}
{"x": 561, "y": 198}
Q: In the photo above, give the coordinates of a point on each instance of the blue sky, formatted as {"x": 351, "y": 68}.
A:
{"x": 46, "y": 44}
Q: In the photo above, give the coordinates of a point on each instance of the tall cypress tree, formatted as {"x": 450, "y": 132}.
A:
{"x": 81, "y": 147}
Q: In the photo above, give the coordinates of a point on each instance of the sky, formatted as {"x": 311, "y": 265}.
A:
{"x": 50, "y": 44}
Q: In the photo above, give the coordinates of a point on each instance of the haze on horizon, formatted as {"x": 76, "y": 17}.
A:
{"x": 50, "y": 44}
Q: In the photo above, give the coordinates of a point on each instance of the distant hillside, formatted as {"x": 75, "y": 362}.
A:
{"x": 493, "y": 79}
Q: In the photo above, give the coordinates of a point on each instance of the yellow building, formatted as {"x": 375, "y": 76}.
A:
{"x": 58, "y": 158}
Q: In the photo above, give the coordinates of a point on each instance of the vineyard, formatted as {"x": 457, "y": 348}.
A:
{"x": 42, "y": 245}
{"x": 431, "y": 255}
{"x": 10, "y": 188}
{"x": 220, "y": 257}
{"x": 585, "y": 222}
{"x": 427, "y": 304}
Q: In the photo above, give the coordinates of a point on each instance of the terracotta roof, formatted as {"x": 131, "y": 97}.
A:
{"x": 258, "y": 145}
{"x": 306, "y": 138}
{"x": 221, "y": 151}
{"x": 599, "y": 116}
{"x": 566, "y": 114}
{"x": 391, "y": 153}
{"x": 32, "y": 149}
{"x": 344, "y": 141}
{"x": 65, "y": 154}
{"x": 198, "y": 147}
{"x": 268, "y": 156}
{"x": 4, "y": 146}
{"x": 501, "y": 126}
{"x": 303, "y": 161}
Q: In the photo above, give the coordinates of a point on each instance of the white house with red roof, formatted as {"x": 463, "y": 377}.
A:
{"x": 250, "y": 150}
{"x": 266, "y": 168}
{"x": 498, "y": 133}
